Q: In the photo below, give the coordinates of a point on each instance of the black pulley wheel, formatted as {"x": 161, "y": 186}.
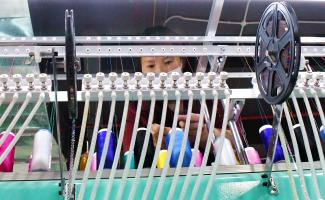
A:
{"x": 277, "y": 52}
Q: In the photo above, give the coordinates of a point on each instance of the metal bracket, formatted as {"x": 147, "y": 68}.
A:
{"x": 70, "y": 60}
{"x": 270, "y": 183}
{"x": 277, "y": 114}
{"x": 237, "y": 105}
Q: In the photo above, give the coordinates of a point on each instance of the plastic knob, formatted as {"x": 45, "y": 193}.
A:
{"x": 4, "y": 78}
{"x": 112, "y": 76}
{"x": 223, "y": 75}
{"x": 87, "y": 78}
{"x": 100, "y": 76}
{"x": 30, "y": 78}
{"x": 17, "y": 78}
{"x": 175, "y": 76}
{"x": 151, "y": 76}
{"x": 125, "y": 76}
{"x": 138, "y": 76}
{"x": 43, "y": 77}
{"x": 188, "y": 76}
{"x": 199, "y": 76}
{"x": 212, "y": 76}
{"x": 163, "y": 76}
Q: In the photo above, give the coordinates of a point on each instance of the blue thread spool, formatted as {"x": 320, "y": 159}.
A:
{"x": 125, "y": 158}
{"x": 177, "y": 149}
{"x": 100, "y": 146}
{"x": 322, "y": 134}
{"x": 266, "y": 134}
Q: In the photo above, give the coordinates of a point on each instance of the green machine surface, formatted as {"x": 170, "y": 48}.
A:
{"x": 226, "y": 186}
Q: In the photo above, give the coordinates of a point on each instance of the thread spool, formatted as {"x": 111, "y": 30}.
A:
{"x": 199, "y": 158}
{"x": 322, "y": 134}
{"x": 266, "y": 134}
{"x": 111, "y": 148}
{"x": 83, "y": 161}
{"x": 42, "y": 151}
{"x": 30, "y": 163}
{"x": 301, "y": 144}
{"x": 162, "y": 159}
{"x": 177, "y": 148}
{"x": 125, "y": 158}
{"x": 93, "y": 166}
{"x": 252, "y": 156}
{"x": 139, "y": 142}
{"x": 228, "y": 156}
{"x": 8, "y": 163}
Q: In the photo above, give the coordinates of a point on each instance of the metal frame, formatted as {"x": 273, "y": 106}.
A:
{"x": 235, "y": 169}
{"x": 146, "y": 50}
{"x": 60, "y": 40}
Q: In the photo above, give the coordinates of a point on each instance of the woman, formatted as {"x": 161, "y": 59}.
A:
{"x": 168, "y": 64}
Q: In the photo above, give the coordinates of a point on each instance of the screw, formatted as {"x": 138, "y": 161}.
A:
{"x": 17, "y": 79}
{"x": 138, "y": 78}
{"x": 308, "y": 76}
{"x": 175, "y": 77}
{"x": 318, "y": 77}
{"x": 199, "y": 77}
{"x": 125, "y": 78}
{"x": 150, "y": 77}
{"x": 112, "y": 77}
{"x": 87, "y": 80}
{"x": 4, "y": 80}
{"x": 30, "y": 80}
{"x": 100, "y": 76}
{"x": 187, "y": 77}
{"x": 211, "y": 77}
{"x": 43, "y": 78}
{"x": 223, "y": 78}
{"x": 163, "y": 77}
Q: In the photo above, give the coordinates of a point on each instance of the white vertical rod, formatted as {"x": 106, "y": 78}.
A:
{"x": 307, "y": 146}
{"x": 17, "y": 116}
{"x": 6, "y": 113}
{"x": 23, "y": 127}
{"x": 211, "y": 137}
{"x": 131, "y": 148}
{"x": 158, "y": 146}
{"x": 288, "y": 163}
{"x": 118, "y": 147}
{"x": 2, "y": 98}
{"x": 220, "y": 147}
{"x": 315, "y": 131}
{"x": 184, "y": 140}
{"x": 81, "y": 141}
{"x": 170, "y": 146}
{"x": 92, "y": 147}
{"x": 145, "y": 145}
{"x": 319, "y": 107}
{"x": 106, "y": 143}
{"x": 296, "y": 150}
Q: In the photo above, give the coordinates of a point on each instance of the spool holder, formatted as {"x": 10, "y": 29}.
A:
{"x": 276, "y": 68}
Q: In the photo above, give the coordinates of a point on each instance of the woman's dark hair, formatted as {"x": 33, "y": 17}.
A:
{"x": 189, "y": 64}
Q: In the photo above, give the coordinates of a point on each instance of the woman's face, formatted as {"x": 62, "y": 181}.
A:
{"x": 160, "y": 64}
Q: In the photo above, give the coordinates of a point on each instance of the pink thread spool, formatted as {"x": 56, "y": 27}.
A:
{"x": 199, "y": 158}
{"x": 8, "y": 163}
{"x": 30, "y": 163}
{"x": 93, "y": 166}
{"x": 253, "y": 156}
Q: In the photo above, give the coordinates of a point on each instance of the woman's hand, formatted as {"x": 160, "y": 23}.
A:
{"x": 155, "y": 133}
{"x": 194, "y": 125}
